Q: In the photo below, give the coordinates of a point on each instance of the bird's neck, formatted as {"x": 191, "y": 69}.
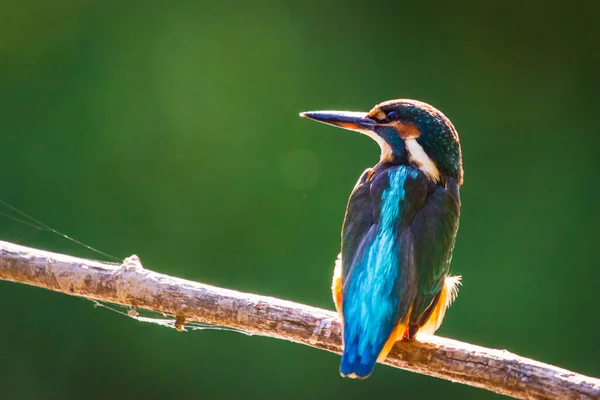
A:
{"x": 396, "y": 154}
{"x": 409, "y": 152}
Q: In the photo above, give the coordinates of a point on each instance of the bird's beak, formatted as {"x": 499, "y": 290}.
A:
{"x": 356, "y": 121}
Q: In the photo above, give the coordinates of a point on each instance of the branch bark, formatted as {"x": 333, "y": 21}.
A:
{"x": 130, "y": 284}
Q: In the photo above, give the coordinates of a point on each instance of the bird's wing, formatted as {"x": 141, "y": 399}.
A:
{"x": 358, "y": 219}
{"x": 379, "y": 275}
{"x": 433, "y": 234}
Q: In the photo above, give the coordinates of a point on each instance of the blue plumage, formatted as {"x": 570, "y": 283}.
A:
{"x": 370, "y": 304}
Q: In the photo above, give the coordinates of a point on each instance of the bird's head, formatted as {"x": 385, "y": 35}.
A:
{"x": 408, "y": 131}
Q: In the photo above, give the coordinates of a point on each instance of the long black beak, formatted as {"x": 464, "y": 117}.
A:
{"x": 356, "y": 121}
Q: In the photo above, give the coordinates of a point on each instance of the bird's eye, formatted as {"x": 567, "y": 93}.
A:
{"x": 392, "y": 115}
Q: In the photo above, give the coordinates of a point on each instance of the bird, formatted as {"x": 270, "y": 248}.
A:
{"x": 391, "y": 279}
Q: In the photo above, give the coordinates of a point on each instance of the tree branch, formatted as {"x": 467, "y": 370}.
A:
{"x": 130, "y": 284}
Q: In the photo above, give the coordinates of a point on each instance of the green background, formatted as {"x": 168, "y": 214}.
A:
{"x": 172, "y": 132}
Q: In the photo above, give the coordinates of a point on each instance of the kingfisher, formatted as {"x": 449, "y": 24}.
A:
{"x": 391, "y": 279}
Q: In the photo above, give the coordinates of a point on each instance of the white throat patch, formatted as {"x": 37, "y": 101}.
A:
{"x": 417, "y": 155}
{"x": 386, "y": 149}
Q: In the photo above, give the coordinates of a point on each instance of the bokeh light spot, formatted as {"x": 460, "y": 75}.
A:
{"x": 301, "y": 169}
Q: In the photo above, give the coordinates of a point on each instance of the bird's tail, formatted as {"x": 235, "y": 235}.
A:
{"x": 355, "y": 366}
{"x": 359, "y": 365}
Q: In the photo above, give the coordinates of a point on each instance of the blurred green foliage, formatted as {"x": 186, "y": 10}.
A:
{"x": 171, "y": 130}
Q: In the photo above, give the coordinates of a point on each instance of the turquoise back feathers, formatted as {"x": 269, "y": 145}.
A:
{"x": 371, "y": 305}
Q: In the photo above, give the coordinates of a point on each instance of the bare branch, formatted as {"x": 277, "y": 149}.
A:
{"x": 130, "y": 284}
